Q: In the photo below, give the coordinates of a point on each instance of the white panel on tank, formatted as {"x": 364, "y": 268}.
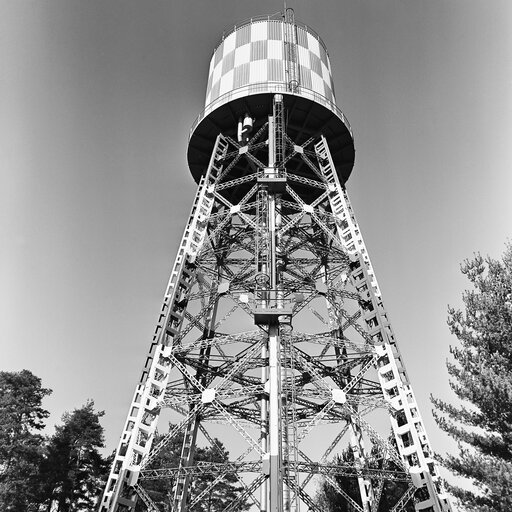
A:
{"x": 242, "y": 54}
{"x": 208, "y": 90}
{"x": 331, "y": 85}
{"x": 275, "y": 49}
{"x": 215, "y": 90}
{"x": 329, "y": 64}
{"x": 217, "y": 72}
{"x": 229, "y": 43}
{"x": 304, "y": 57}
{"x": 259, "y": 31}
{"x": 313, "y": 44}
{"x": 318, "y": 84}
{"x": 326, "y": 75}
{"x": 258, "y": 71}
{"x": 226, "y": 83}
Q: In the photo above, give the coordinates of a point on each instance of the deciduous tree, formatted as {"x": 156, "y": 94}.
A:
{"x": 481, "y": 376}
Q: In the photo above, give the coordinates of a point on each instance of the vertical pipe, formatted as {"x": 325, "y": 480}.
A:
{"x": 275, "y": 452}
{"x": 264, "y": 426}
{"x": 264, "y": 269}
{"x": 276, "y": 480}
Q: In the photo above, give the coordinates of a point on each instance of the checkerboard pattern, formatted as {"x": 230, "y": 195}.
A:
{"x": 254, "y": 54}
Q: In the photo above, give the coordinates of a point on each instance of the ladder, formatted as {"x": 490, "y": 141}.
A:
{"x": 290, "y": 50}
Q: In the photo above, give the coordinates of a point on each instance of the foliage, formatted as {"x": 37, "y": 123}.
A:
{"x": 21, "y": 417}
{"x": 36, "y": 473}
{"x": 216, "y": 499}
{"x": 330, "y": 500}
{"x": 73, "y": 472}
{"x": 482, "y": 377}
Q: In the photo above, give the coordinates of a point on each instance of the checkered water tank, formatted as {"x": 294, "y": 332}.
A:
{"x": 254, "y": 58}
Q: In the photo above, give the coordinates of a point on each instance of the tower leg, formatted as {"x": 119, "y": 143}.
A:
{"x": 406, "y": 424}
{"x": 140, "y": 427}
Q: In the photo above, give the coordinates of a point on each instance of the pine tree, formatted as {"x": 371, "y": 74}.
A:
{"x": 21, "y": 447}
{"x": 73, "y": 472}
{"x": 330, "y": 500}
{"x": 218, "y": 498}
{"x": 482, "y": 378}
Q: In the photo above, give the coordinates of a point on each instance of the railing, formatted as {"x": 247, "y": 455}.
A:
{"x": 277, "y": 17}
{"x": 272, "y": 307}
{"x": 272, "y": 173}
{"x": 263, "y": 87}
{"x": 271, "y": 298}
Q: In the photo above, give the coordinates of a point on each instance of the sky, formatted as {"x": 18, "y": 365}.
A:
{"x": 96, "y": 102}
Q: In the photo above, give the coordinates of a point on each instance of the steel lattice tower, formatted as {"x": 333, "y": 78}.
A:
{"x": 272, "y": 322}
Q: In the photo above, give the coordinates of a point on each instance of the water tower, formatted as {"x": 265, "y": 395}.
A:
{"x": 273, "y": 338}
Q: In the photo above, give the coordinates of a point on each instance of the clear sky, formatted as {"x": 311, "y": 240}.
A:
{"x": 96, "y": 100}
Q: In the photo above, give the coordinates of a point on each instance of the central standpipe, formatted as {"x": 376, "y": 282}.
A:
{"x": 274, "y": 340}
